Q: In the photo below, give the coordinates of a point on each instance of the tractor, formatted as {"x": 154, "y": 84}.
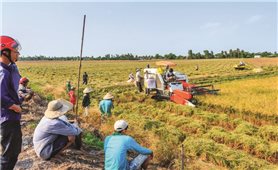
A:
{"x": 179, "y": 91}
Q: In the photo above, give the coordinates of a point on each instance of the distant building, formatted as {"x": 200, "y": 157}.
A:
{"x": 257, "y": 56}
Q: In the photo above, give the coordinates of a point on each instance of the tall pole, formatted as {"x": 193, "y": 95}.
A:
{"x": 79, "y": 69}
{"x": 182, "y": 157}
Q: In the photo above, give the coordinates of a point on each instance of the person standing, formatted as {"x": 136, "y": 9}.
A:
{"x": 106, "y": 105}
{"x": 68, "y": 86}
{"x": 72, "y": 97}
{"x": 86, "y": 100}
{"x": 118, "y": 144}
{"x": 10, "y": 115}
{"x": 85, "y": 78}
{"x": 138, "y": 79}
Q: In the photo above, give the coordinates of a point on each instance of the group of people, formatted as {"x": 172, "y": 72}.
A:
{"x": 55, "y": 132}
{"x": 105, "y": 105}
{"x": 167, "y": 74}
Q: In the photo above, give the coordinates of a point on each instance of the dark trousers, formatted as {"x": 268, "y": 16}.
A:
{"x": 11, "y": 140}
{"x": 61, "y": 141}
{"x": 85, "y": 82}
{"x": 139, "y": 86}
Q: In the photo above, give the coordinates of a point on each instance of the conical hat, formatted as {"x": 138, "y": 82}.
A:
{"x": 108, "y": 96}
{"x": 87, "y": 90}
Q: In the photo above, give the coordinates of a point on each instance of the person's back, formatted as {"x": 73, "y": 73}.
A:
{"x": 116, "y": 147}
{"x": 105, "y": 107}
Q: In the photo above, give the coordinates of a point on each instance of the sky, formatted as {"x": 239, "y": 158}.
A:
{"x": 144, "y": 27}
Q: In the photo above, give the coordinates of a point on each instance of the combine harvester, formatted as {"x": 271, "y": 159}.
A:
{"x": 240, "y": 66}
{"x": 179, "y": 91}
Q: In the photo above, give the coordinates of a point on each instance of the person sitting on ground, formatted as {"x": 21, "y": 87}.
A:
{"x": 117, "y": 145}
{"x": 85, "y": 78}
{"x": 72, "y": 97}
{"x": 24, "y": 93}
{"x": 106, "y": 105}
{"x": 53, "y": 134}
{"x": 68, "y": 86}
{"x": 170, "y": 76}
{"x": 86, "y": 100}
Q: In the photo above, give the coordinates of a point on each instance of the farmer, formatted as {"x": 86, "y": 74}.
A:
{"x": 53, "y": 134}
{"x": 197, "y": 67}
{"x": 138, "y": 79}
{"x": 23, "y": 92}
{"x": 117, "y": 145}
{"x": 170, "y": 76}
{"x": 11, "y": 136}
{"x": 130, "y": 78}
{"x": 68, "y": 86}
{"x": 85, "y": 78}
{"x": 86, "y": 100}
{"x": 106, "y": 105}
{"x": 72, "y": 97}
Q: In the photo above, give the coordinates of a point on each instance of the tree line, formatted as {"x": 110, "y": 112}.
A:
{"x": 190, "y": 55}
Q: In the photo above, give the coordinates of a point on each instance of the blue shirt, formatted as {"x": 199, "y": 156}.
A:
{"x": 9, "y": 86}
{"x": 115, "y": 149}
{"x": 16, "y": 76}
{"x": 105, "y": 107}
{"x": 47, "y": 131}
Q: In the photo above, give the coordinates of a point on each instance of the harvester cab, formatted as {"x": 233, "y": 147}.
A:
{"x": 179, "y": 91}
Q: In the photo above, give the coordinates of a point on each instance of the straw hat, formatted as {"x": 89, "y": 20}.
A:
{"x": 138, "y": 69}
{"x": 108, "y": 96}
{"x": 57, "y": 108}
{"x": 87, "y": 90}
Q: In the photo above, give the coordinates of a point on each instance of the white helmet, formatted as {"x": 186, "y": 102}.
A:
{"x": 120, "y": 125}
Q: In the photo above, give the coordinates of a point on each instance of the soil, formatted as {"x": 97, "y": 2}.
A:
{"x": 86, "y": 158}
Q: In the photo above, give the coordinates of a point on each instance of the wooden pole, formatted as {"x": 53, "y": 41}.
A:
{"x": 182, "y": 157}
{"x": 79, "y": 69}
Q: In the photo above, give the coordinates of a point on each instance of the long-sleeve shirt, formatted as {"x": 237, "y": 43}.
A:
{"x": 138, "y": 76}
{"x": 16, "y": 76}
{"x": 47, "y": 131}
{"x": 86, "y": 100}
{"x": 105, "y": 107}
{"x": 9, "y": 96}
{"x": 72, "y": 97}
{"x": 115, "y": 149}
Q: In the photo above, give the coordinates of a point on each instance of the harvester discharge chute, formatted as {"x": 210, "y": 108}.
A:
{"x": 179, "y": 91}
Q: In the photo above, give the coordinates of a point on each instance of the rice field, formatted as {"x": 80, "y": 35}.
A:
{"x": 237, "y": 129}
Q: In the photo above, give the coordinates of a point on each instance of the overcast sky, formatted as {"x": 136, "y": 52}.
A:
{"x": 140, "y": 27}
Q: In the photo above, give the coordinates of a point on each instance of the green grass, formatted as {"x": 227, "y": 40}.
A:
{"x": 92, "y": 141}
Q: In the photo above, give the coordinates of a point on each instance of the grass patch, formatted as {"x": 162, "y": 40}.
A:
{"x": 92, "y": 141}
